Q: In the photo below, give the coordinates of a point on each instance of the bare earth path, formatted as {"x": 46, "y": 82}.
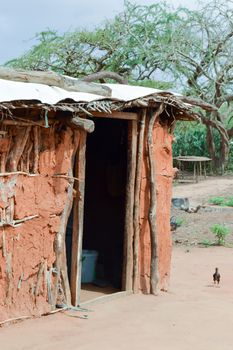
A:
{"x": 195, "y": 227}
{"x": 193, "y": 315}
{"x": 200, "y": 192}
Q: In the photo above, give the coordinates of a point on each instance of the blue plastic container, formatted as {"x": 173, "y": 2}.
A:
{"x": 89, "y": 259}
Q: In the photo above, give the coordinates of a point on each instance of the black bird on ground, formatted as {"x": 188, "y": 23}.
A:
{"x": 216, "y": 276}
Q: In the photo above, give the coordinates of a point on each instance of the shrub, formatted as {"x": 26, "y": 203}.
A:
{"x": 220, "y": 232}
{"x": 229, "y": 202}
{"x": 217, "y": 200}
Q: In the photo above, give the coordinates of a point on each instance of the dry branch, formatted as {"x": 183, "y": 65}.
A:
{"x": 105, "y": 74}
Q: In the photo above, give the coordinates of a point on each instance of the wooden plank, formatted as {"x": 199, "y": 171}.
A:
{"x": 105, "y": 298}
{"x": 136, "y": 214}
{"x": 127, "y": 276}
{"x": 116, "y": 115}
{"x": 53, "y": 79}
{"x": 78, "y": 212}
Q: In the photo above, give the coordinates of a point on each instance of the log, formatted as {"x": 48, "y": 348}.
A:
{"x": 154, "y": 278}
{"x": 53, "y": 79}
{"x": 85, "y": 124}
{"x": 127, "y": 276}
{"x": 78, "y": 211}
{"x": 136, "y": 216}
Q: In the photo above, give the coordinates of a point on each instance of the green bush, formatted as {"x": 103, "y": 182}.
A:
{"x": 217, "y": 200}
{"x": 220, "y": 232}
{"x": 229, "y": 202}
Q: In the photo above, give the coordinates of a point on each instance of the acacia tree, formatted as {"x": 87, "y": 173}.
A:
{"x": 201, "y": 57}
{"x": 130, "y": 45}
{"x": 145, "y": 44}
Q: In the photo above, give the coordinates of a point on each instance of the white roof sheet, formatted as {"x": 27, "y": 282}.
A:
{"x": 14, "y": 91}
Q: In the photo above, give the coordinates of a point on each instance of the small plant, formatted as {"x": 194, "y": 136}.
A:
{"x": 206, "y": 243}
{"x": 179, "y": 222}
{"x": 217, "y": 200}
{"x": 229, "y": 202}
{"x": 220, "y": 232}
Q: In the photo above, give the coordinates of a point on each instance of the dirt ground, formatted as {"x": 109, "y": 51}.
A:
{"x": 194, "y": 314}
{"x": 195, "y": 227}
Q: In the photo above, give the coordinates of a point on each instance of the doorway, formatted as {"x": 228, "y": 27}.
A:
{"x": 104, "y": 205}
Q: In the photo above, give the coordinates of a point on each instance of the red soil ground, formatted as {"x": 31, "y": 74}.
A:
{"x": 194, "y": 314}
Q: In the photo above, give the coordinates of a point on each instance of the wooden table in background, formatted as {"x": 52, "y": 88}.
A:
{"x": 199, "y": 164}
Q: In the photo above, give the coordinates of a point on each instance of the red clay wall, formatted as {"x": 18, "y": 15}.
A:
{"x": 24, "y": 249}
{"x": 164, "y": 175}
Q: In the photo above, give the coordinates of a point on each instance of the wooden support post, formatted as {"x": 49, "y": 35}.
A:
{"x": 205, "y": 170}
{"x": 127, "y": 276}
{"x": 136, "y": 215}
{"x": 59, "y": 243}
{"x": 78, "y": 210}
{"x": 154, "y": 278}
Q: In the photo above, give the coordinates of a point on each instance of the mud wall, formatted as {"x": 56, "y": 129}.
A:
{"x": 31, "y": 207}
{"x": 162, "y": 148}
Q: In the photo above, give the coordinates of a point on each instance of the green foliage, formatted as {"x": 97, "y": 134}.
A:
{"x": 229, "y": 202}
{"x": 223, "y": 201}
{"x": 206, "y": 243}
{"x": 220, "y": 232}
{"x": 130, "y": 45}
{"x": 179, "y": 222}
{"x": 217, "y": 200}
{"x": 190, "y": 139}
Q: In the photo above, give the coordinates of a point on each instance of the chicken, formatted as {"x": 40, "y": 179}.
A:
{"x": 216, "y": 276}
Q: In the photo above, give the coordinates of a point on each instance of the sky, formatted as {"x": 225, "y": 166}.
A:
{"x": 20, "y": 20}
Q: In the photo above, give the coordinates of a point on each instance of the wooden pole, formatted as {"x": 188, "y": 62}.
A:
{"x": 54, "y": 79}
{"x": 154, "y": 278}
{"x": 78, "y": 213}
{"x": 61, "y": 263}
{"x": 136, "y": 216}
{"x": 127, "y": 276}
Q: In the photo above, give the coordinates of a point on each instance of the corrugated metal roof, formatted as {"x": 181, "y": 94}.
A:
{"x": 15, "y": 91}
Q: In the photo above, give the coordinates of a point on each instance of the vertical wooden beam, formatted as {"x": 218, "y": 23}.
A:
{"x": 78, "y": 214}
{"x": 127, "y": 277}
{"x": 154, "y": 278}
{"x": 136, "y": 214}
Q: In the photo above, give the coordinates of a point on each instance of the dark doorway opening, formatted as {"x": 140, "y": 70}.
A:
{"x": 104, "y": 209}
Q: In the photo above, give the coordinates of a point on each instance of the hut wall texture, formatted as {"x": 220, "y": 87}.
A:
{"x": 162, "y": 148}
{"x": 27, "y": 252}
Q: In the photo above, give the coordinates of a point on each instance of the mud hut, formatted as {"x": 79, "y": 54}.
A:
{"x": 83, "y": 166}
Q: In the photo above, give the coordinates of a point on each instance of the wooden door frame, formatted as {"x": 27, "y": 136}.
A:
{"x": 78, "y": 209}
